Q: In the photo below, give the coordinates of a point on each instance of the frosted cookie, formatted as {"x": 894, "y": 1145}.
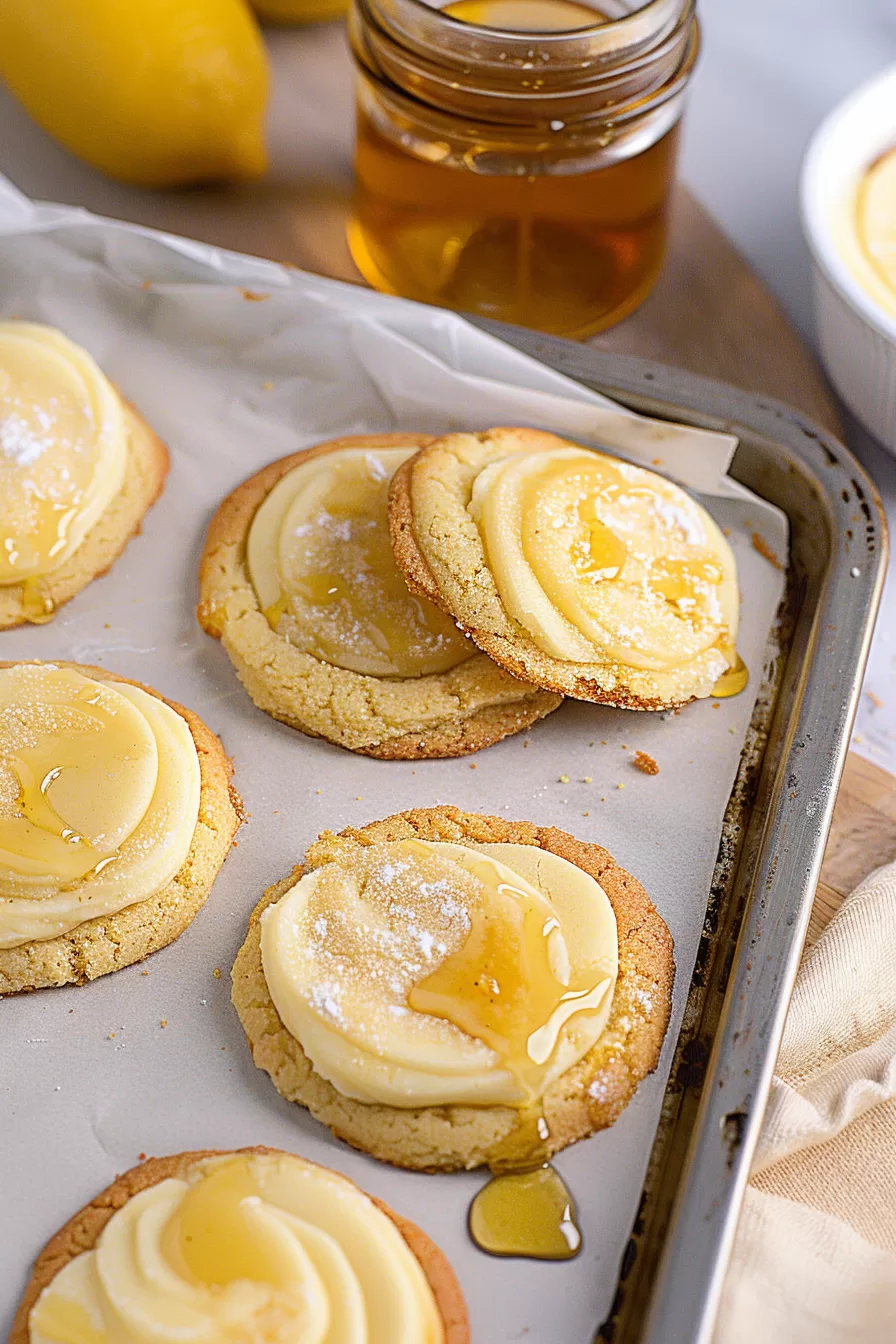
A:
{"x": 299, "y": 583}
{"x": 116, "y": 813}
{"x": 570, "y": 568}
{"x": 447, "y": 990}
{"x": 78, "y": 470}
{"x": 255, "y": 1245}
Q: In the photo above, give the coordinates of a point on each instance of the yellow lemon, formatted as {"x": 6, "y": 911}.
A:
{"x": 299, "y": 11}
{"x": 877, "y": 218}
{"x": 158, "y": 93}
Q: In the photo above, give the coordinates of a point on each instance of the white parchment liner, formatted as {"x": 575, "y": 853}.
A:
{"x": 90, "y": 1077}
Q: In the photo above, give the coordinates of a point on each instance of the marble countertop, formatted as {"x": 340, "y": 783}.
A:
{"x": 770, "y": 71}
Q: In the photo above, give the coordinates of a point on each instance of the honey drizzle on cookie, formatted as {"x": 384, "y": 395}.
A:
{"x": 493, "y": 987}
{"x": 38, "y": 606}
{"x": 511, "y": 972}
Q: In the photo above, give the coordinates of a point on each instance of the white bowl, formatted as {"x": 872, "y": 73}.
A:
{"x": 856, "y": 334}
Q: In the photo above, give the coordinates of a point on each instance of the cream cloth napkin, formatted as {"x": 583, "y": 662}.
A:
{"x": 815, "y": 1255}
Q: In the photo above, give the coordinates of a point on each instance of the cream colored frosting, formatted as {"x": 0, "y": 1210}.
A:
{"x": 249, "y": 1248}
{"x": 321, "y": 564}
{"x": 348, "y": 948}
{"x": 603, "y": 561}
{"x": 864, "y": 229}
{"x": 63, "y": 448}
{"x": 99, "y": 798}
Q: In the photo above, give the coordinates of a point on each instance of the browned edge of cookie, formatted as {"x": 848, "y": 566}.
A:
{"x": 72, "y": 589}
{"x": 216, "y": 773}
{"x": 421, "y": 580}
{"x": 82, "y": 1232}
{"x": 230, "y": 527}
{"x": 593, "y": 1093}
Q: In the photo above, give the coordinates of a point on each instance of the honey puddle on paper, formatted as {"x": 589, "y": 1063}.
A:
{"x": 733, "y": 681}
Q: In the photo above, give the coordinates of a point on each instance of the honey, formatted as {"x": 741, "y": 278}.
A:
{"x": 514, "y": 158}
{"x": 37, "y": 603}
{"x": 66, "y": 820}
{"x": 63, "y": 451}
{"x": 335, "y": 576}
{"x": 526, "y": 1213}
{"x": 733, "y": 681}
{"x": 213, "y": 1239}
{"x": 508, "y": 984}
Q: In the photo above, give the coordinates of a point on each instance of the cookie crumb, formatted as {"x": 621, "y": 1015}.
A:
{"x": 761, "y": 545}
{"x": 267, "y": 385}
{"x": 111, "y": 1036}
{"x": 164, "y": 1022}
{"x": 620, "y": 786}
{"x": 147, "y": 284}
{"x": 717, "y": 704}
{"x": 253, "y": 296}
{"x": 646, "y": 764}
{"x": 141, "y": 1157}
{"x": 586, "y": 814}
{"x": 472, "y": 765}
{"x": 875, "y": 700}
{"x": 217, "y": 972}
{"x": 564, "y": 779}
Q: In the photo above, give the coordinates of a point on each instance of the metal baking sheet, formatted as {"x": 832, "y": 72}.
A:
{"x": 90, "y": 1076}
{"x": 773, "y": 837}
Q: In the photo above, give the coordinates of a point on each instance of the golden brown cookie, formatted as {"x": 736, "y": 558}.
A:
{"x": 471, "y": 706}
{"x": 440, "y": 550}
{"x": 589, "y": 1096}
{"x": 111, "y": 942}
{"x": 82, "y": 1231}
{"x": 37, "y": 600}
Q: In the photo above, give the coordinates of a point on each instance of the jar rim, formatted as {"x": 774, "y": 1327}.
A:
{"x": 614, "y": 39}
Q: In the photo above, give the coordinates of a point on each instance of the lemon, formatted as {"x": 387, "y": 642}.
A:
{"x": 877, "y": 218}
{"x": 158, "y": 93}
{"x": 299, "y": 11}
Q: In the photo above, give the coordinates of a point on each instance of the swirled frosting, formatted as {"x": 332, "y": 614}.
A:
{"x": 322, "y": 568}
{"x": 245, "y": 1248}
{"x": 421, "y": 973}
{"x": 99, "y": 797}
{"x": 63, "y": 448}
{"x": 603, "y": 561}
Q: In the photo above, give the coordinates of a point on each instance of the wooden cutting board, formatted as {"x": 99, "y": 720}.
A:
{"x": 709, "y": 313}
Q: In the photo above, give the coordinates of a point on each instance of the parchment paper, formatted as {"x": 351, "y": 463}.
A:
{"x": 152, "y": 1060}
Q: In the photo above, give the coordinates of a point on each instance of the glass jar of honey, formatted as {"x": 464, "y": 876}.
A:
{"x": 515, "y": 157}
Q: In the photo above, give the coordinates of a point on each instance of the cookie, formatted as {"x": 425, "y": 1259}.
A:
{"x": 81, "y": 1233}
{"x": 110, "y": 941}
{"x": 581, "y": 573}
{"x": 354, "y": 611}
{"x": 587, "y": 1097}
{"x": 61, "y": 548}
